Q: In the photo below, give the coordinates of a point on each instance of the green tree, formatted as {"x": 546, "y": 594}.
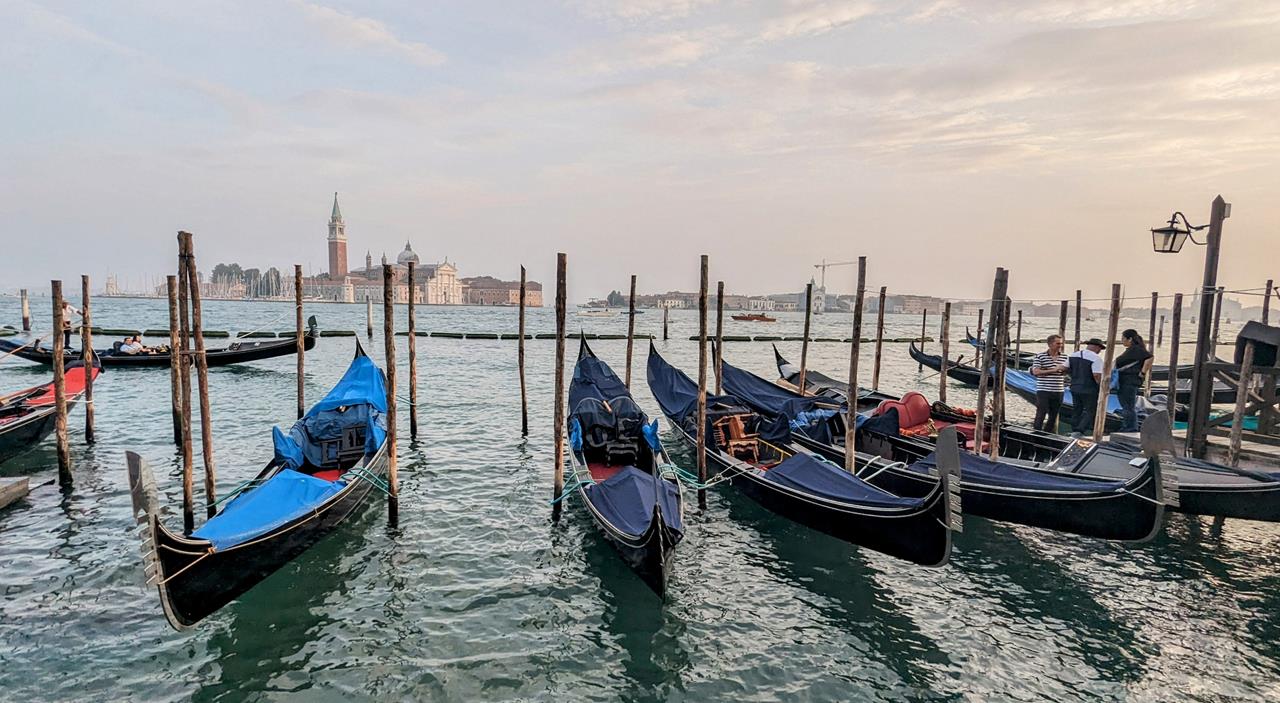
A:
{"x": 615, "y": 299}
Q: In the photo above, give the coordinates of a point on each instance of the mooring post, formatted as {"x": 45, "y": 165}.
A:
{"x": 26, "y": 311}
{"x": 524, "y": 393}
{"x": 175, "y": 385}
{"x": 1174, "y": 340}
{"x": 1017, "y": 344}
{"x": 299, "y": 340}
{"x": 944, "y": 336}
{"x": 1242, "y": 401}
{"x": 1160, "y": 333}
{"x": 1217, "y": 318}
{"x": 413, "y": 360}
{"x": 183, "y": 359}
{"x": 980, "y": 332}
{"x": 60, "y": 387}
{"x": 1108, "y": 363}
{"x": 368, "y": 316}
{"x": 202, "y": 377}
{"x": 1062, "y": 321}
{"x": 1079, "y": 307}
{"x": 666, "y": 310}
{"x": 702, "y": 385}
{"x": 1267, "y": 415}
{"x": 1266, "y": 302}
{"x": 389, "y": 357}
{"x": 986, "y": 355}
{"x": 561, "y": 265}
{"x": 87, "y": 356}
{"x": 875, "y": 369}
{"x": 1001, "y": 339}
{"x": 631, "y": 326}
{"x": 924, "y": 324}
{"x": 851, "y": 416}
{"x": 804, "y": 344}
{"x": 718, "y": 359}
{"x": 1151, "y": 337}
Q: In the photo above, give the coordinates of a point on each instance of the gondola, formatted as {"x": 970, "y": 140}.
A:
{"x": 1204, "y": 488}
{"x": 1129, "y": 509}
{"x": 237, "y": 352}
{"x": 322, "y": 471}
{"x": 759, "y": 459}
{"x": 28, "y": 416}
{"x": 621, "y": 472}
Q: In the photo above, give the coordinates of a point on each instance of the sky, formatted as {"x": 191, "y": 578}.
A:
{"x": 939, "y": 138}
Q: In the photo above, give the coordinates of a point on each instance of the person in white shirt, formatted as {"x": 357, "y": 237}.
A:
{"x": 1085, "y": 371}
{"x": 132, "y": 345}
{"x": 1050, "y": 369}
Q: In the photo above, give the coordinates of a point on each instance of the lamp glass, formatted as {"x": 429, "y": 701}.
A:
{"x": 1168, "y": 240}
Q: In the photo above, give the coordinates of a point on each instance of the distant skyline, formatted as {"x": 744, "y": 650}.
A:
{"x": 940, "y": 139}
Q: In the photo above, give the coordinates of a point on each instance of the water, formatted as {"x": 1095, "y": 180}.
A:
{"x": 478, "y": 596}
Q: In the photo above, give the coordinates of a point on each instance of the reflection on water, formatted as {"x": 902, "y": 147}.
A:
{"x": 478, "y": 596}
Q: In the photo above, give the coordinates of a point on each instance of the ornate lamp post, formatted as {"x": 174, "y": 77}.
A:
{"x": 1169, "y": 240}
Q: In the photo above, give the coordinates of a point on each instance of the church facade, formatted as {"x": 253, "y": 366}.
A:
{"x": 433, "y": 284}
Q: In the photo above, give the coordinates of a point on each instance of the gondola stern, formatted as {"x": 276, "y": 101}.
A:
{"x": 146, "y": 513}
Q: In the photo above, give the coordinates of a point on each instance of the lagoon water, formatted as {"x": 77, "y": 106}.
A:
{"x": 479, "y": 596}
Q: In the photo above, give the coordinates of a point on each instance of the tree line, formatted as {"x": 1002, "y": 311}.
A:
{"x": 257, "y": 283}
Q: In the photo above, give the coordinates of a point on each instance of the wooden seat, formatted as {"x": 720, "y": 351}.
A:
{"x": 734, "y": 438}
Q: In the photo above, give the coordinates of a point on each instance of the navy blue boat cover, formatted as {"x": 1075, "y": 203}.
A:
{"x": 592, "y": 378}
{"x": 806, "y": 414}
{"x": 360, "y": 398}
{"x": 978, "y": 470}
{"x": 628, "y": 497}
{"x": 822, "y": 478}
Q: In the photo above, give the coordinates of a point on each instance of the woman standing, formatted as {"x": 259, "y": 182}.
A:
{"x": 1132, "y": 367}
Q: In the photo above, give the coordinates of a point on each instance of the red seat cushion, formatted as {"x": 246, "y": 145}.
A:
{"x": 913, "y": 409}
{"x": 331, "y": 475}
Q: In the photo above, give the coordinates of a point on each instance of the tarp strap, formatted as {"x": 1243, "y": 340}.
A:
{"x": 237, "y": 490}
{"x": 691, "y": 479}
{"x": 569, "y": 490}
{"x": 366, "y": 475}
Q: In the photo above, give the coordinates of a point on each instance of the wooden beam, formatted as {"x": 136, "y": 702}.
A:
{"x": 702, "y": 384}
{"x": 1108, "y": 363}
{"x": 389, "y": 358}
{"x": 851, "y": 415}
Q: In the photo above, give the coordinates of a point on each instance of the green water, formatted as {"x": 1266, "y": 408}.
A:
{"x": 478, "y": 596}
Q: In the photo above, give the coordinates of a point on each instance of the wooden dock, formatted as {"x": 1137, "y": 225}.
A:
{"x": 12, "y": 490}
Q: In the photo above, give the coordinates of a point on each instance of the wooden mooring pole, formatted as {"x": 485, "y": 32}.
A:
{"x": 60, "y": 387}
{"x": 631, "y": 327}
{"x": 1062, "y": 320}
{"x": 1160, "y": 333}
{"x": 202, "y": 376}
{"x": 985, "y": 355}
{"x": 804, "y": 343}
{"x": 413, "y": 358}
{"x": 368, "y": 316}
{"x": 1079, "y": 308}
{"x": 851, "y": 416}
{"x": 666, "y": 312}
{"x": 1151, "y": 337}
{"x": 702, "y": 384}
{"x": 524, "y": 391}
{"x": 1266, "y": 302}
{"x": 1217, "y": 318}
{"x": 1017, "y": 344}
{"x": 1174, "y": 340}
{"x": 945, "y": 337}
{"x": 183, "y": 359}
{"x": 87, "y": 355}
{"x": 301, "y": 346}
{"x": 1001, "y": 360}
{"x": 1242, "y": 401}
{"x": 1108, "y": 363}
{"x": 981, "y": 311}
{"x": 561, "y": 265}
{"x": 26, "y": 311}
{"x": 719, "y": 346}
{"x": 924, "y": 330}
{"x": 1267, "y": 415}
{"x": 389, "y": 358}
{"x": 875, "y": 368}
{"x": 175, "y": 360}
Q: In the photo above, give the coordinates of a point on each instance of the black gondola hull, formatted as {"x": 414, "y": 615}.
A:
{"x": 241, "y": 352}
{"x": 23, "y": 435}
{"x": 194, "y": 580}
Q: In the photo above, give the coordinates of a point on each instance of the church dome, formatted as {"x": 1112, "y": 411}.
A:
{"x": 407, "y": 255}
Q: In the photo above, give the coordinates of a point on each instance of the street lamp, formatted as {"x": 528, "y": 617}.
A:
{"x": 1169, "y": 240}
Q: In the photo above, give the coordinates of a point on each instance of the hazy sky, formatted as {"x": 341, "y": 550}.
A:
{"x": 939, "y": 138}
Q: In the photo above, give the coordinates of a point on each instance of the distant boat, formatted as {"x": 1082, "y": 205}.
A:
{"x": 597, "y": 312}
{"x": 754, "y": 317}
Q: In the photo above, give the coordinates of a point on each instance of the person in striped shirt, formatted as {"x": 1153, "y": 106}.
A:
{"x": 1050, "y": 369}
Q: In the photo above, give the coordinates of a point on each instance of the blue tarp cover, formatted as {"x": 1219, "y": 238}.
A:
{"x": 282, "y": 498}
{"x": 362, "y": 397}
{"x": 805, "y": 473}
{"x": 1027, "y": 383}
{"x": 977, "y": 470}
{"x": 627, "y": 498}
{"x": 676, "y": 393}
{"x": 592, "y": 378}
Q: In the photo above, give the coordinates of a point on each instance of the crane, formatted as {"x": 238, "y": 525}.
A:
{"x": 824, "y": 266}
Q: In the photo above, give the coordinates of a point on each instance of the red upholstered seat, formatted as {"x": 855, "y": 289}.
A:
{"x": 331, "y": 475}
{"x": 914, "y": 416}
{"x": 603, "y": 472}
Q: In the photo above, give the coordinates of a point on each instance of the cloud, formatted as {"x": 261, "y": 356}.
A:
{"x": 637, "y": 10}
{"x": 815, "y": 19}
{"x": 360, "y": 32}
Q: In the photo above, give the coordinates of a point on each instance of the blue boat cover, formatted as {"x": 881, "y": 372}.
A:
{"x": 805, "y": 473}
{"x": 284, "y": 497}
{"x": 676, "y": 393}
{"x": 628, "y": 497}
{"x": 806, "y": 414}
{"x": 978, "y": 470}
{"x": 592, "y": 378}
{"x": 358, "y": 400}
{"x": 1026, "y": 383}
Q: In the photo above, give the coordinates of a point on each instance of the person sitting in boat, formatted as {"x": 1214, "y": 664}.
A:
{"x": 1085, "y": 368}
{"x": 1132, "y": 366}
{"x": 132, "y": 345}
{"x": 1050, "y": 369}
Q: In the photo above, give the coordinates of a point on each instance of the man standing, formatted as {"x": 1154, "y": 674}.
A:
{"x": 1050, "y": 369}
{"x": 1085, "y": 367}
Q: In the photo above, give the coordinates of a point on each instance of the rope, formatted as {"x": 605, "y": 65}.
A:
{"x": 291, "y": 311}
{"x": 236, "y": 491}
{"x": 691, "y": 479}
{"x": 569, "y": 490}
{"x": 373, "y": 479}
{"x": 15, "y": 350}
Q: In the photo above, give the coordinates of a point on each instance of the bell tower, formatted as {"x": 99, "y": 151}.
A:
{"x": 337, "y": 243}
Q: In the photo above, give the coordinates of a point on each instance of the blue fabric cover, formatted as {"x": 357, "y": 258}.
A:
{"x": 362, "y": 397}
{"x": 804, "y": 473}
{"x": 977, "y": 470}
{"x": 282, "y": 498}
{"x": 678, "y": 395}
{"x": 807, "y": 415}
{"x": 627, "y": 499}
{"x": 1026, "y": 383}
{"x": 592, "y": 378}
{"x": 651, "y": 436}
{"x": 575, "y": 434}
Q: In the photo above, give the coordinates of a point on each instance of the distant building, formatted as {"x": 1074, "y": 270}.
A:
{"x": 761, "y": 304}
{"x": 337, "y": 243}
{"x": 487, "y": 290}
